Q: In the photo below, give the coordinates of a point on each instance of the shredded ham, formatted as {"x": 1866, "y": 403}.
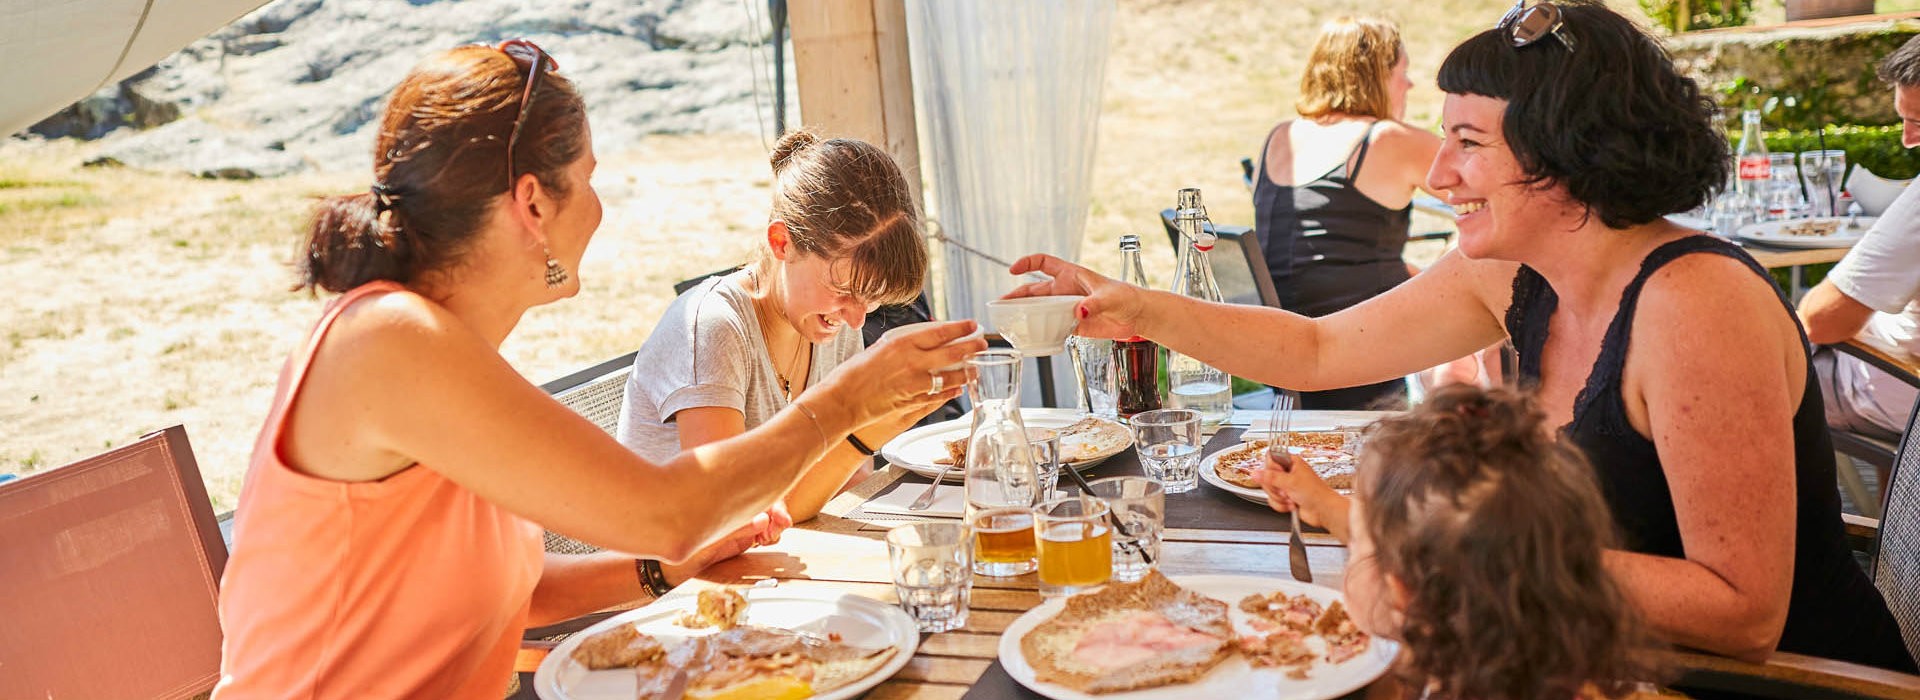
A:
{"x": 1133, "y": 638}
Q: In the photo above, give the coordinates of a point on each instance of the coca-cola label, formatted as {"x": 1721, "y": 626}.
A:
{"x": 1754, "y": 168}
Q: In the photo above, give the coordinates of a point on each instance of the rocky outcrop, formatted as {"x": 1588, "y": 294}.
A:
{"x": 299, "y": 84}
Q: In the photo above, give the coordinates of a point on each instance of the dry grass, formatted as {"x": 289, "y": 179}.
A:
{"x": 138, "y": 301}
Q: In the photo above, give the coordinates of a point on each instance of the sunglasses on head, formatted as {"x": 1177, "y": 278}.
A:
{"x": 1528, "y": 25}
{"x": 523, "y": 51}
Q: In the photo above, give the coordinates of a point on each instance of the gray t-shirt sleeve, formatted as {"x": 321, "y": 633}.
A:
{"x": 699, "y": 355}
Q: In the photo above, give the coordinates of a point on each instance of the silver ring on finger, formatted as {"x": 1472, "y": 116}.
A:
{"x": 939, "y": 384}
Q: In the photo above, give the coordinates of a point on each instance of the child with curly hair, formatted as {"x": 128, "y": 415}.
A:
{"x": 1476, "y": 540}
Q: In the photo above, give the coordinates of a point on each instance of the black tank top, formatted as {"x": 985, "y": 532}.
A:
{"x": 1834, "y": 612}
{"x": 1327, "y": 245}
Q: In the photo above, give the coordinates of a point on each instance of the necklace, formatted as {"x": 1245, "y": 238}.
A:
{"x": 786, "y": 385}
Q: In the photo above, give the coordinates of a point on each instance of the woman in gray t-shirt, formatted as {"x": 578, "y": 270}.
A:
{"x": 734, "y": 350}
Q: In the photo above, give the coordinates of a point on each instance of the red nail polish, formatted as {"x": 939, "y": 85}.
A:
{"x": 1080, "y": 311}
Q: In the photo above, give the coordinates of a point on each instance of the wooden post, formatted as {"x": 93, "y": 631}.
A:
{"x": 850, "y": 59}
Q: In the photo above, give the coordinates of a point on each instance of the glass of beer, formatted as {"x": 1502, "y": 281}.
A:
{"x": 1003, "y": 541}
{"x": 1076, "y": 544}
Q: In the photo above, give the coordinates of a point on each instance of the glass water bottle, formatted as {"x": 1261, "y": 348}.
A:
{"x": 1001, "y": 482}
{"x": 1191, "y": 383}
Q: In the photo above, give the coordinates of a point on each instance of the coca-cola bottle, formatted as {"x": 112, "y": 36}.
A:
{"x": 1753, "y": 164}
{"x": 1136, "y": 360}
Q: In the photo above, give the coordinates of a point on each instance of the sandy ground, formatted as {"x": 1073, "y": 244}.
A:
{"x": 135, "y": 301}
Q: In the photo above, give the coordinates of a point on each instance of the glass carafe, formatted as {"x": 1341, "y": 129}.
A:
{"x": 1191, "y": 383}
{"x": 1000, "y": 472}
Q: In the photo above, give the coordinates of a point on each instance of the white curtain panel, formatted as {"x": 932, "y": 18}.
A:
{"x": 1008, "y": 94}
{"x": 61, "y": 51}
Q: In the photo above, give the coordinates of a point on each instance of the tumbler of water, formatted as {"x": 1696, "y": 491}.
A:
{"x": 1138, "y": 508}
{"x": 932, "y": 566}
{"x": 1168, "y": 441}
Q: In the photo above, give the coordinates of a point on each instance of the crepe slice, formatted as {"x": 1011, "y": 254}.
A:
{"x": 1130, "y": 635}
{"x": 749, "y": 662}
{"x": 620, "y": 647}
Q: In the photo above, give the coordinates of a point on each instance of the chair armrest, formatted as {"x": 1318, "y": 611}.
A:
{"x": 1860, "y": 527}
{"x": 1787, "y": 675}
{"x": 1883, "y": 357}
{"x": 1431, "y": 236}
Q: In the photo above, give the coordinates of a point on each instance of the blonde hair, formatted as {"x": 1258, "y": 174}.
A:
{"x": 1348, "y": 70}
{"x": 846, "y": 200}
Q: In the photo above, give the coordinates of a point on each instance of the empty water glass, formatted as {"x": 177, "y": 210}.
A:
{"x": 1046, "y": 461}
{"x": 1138, "y": 508}
{"x": 1168, "y": 441}
{"x": 1093, "y": 366}
{"x": 932, "y": 566}
{"x": 1823, "y": 171}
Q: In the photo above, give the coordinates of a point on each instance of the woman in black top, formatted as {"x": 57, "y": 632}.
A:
{"x": 1669, "y": 357}
{"x": 1332, "y": 198}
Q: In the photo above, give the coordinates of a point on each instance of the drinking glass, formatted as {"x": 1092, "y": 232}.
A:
{"x": 1076, "y": 544}
{"x": 932, "y": 566}
{"x": 1093, "y": 366}
{"x": 1046, "y": 461}
{"x": 1785, "y": 197}
{"x": 1168, "y": 441}
{"x": 1003, "y": 541}
{"x": 1137, "y": 506}
{"x": 1823, "y": 170}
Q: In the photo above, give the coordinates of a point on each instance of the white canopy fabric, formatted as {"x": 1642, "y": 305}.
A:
{"x": 59, "y": 51}
{"x": 1009, "y": 95}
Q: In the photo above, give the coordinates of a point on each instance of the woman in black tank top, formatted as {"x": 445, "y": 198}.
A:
{"x": 1666, "y": 355}
{"x": 1328, "y": 245}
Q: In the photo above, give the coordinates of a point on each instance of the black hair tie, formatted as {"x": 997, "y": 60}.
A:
{"x": 383, "y": 197}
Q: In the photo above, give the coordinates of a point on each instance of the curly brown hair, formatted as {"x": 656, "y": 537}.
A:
{"x": 1497, "y": 530}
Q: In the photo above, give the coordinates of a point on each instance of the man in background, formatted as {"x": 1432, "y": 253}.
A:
{"x": 1872, "y": 292}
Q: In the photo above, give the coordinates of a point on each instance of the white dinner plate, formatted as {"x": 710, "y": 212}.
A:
{"x": 1233, "y": 678}
{"x": 1774, "y": 233}
{"x": 1209, "y": 475}
{"x": 860, "y": 622}
{"x": 916, "y": 450}
{"x": 1212, "y": 477}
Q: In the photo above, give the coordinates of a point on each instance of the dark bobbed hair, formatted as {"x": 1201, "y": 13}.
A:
{"x": 1614, "y": 122}
{"x": 1902, "y": 67}
{"x": 1498, "y": 531}
{"x": 442, "y": 158}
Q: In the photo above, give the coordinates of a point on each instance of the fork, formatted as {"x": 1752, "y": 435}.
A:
{"x": 1277, "y": 450}
{"x": 925, "y": 500}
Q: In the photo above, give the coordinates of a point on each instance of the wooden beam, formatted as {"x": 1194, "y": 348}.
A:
{"x": 851, "y": 62}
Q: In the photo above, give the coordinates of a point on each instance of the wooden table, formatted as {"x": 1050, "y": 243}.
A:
{"x": 840, "y": 554}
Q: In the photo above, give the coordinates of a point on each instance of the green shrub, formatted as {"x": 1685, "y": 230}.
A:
{"x": 1875, "y": 147}
{"x": 1701, "y": 14}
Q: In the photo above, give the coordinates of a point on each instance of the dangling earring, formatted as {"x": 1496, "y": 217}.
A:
{"x": 556, "y": 275}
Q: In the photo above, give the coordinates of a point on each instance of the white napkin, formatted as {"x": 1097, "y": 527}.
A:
{"x": 948, "y": 502}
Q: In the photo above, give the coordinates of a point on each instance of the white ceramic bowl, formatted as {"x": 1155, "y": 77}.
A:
{"x": 1034, "y": 325}
{"x": 1874, "y": 193}
{"x": 911, "y": 327}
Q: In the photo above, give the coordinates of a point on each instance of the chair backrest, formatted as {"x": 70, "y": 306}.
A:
{"x": 682, "y": 286}
{"x": 1896, "y": 562}
{"x": 1239, "y": 265}
{"x": 596, "y": 393}
{"x": 111, "y": 577}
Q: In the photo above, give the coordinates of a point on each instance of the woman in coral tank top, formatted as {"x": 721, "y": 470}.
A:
{"x": 388, "y": 540}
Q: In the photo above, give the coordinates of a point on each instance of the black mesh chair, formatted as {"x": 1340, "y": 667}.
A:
{"x": 1896, "y": 560}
